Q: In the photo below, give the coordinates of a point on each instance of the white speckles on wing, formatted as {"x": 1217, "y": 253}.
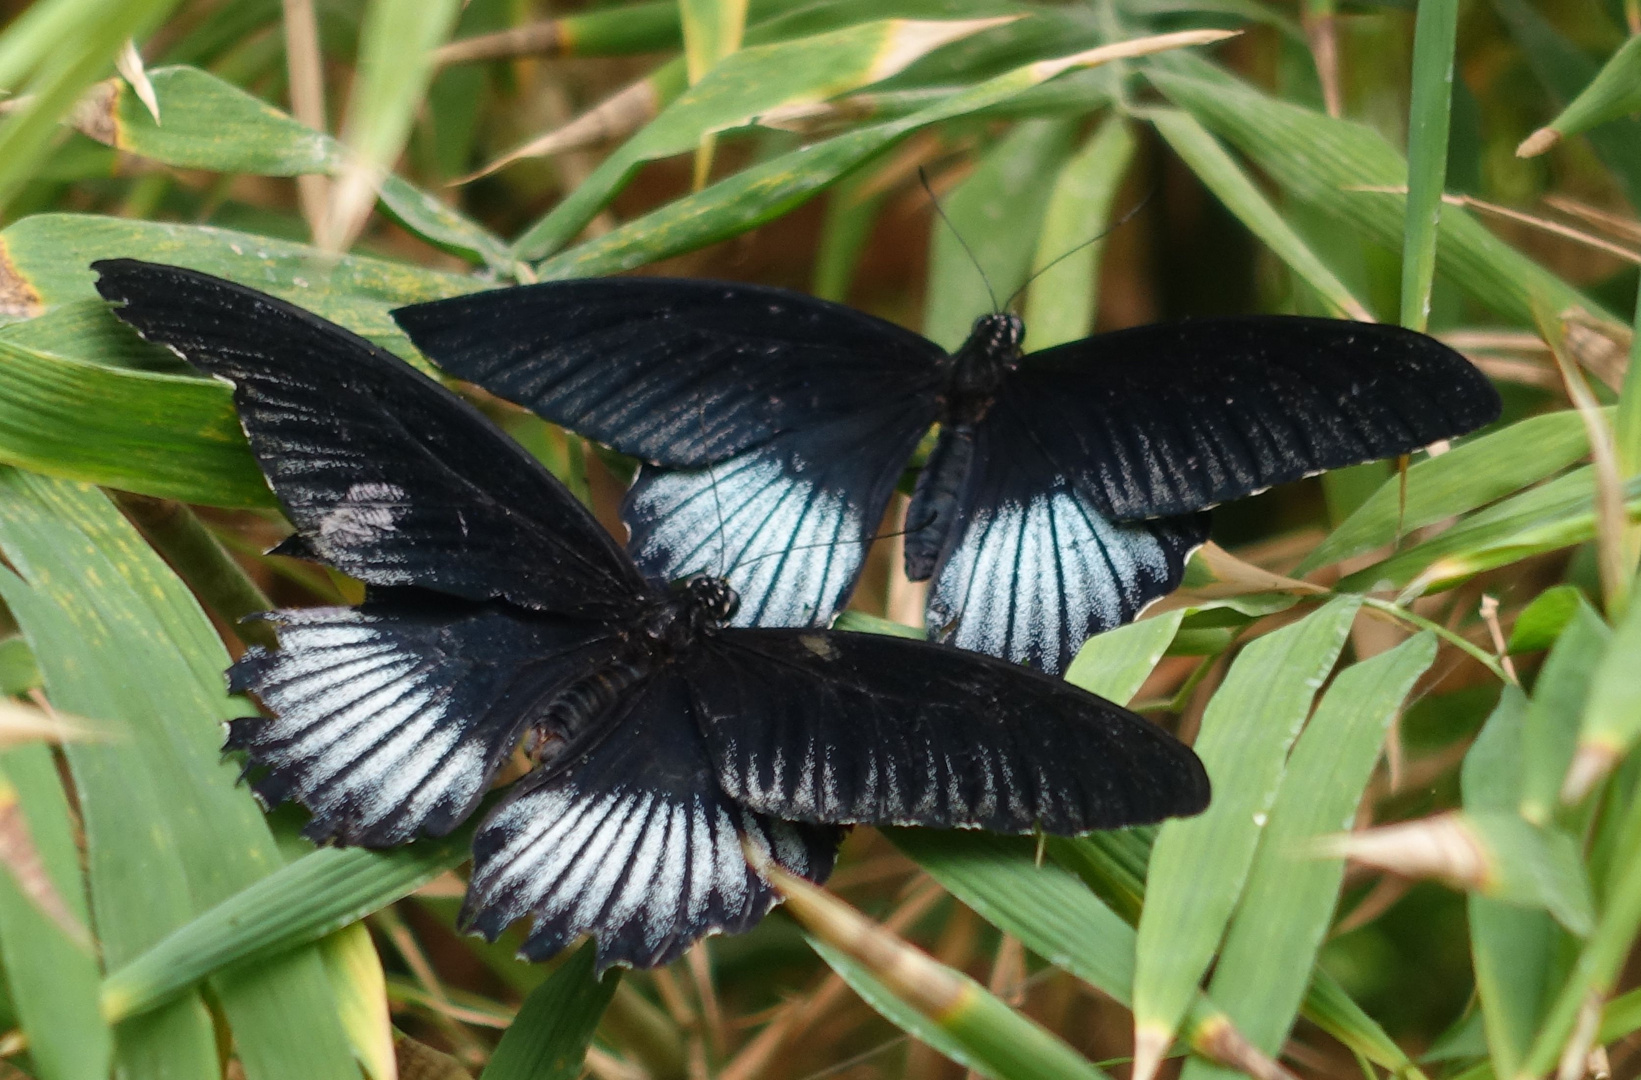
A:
{"x": 364, "y": 515}
{"x": 390, "y": 720}
{"x": 646, "y": 873}
{"x": 790, "y": 546}
{"x": 1029, "y": 582}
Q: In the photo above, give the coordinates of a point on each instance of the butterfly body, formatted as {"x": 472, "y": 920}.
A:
{"x": 1066, "y": 488}
{"x": 498, "y": 613}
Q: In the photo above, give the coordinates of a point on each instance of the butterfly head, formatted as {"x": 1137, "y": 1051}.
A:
{"x": 708, "y": 600}
{"x": 992, "y": 351}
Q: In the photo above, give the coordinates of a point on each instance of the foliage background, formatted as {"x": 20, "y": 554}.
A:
{"x": 152, "y": 920}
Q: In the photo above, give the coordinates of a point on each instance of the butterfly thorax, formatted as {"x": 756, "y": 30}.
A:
{"x": 979, "y": 367}
{"x": 661, "y": 630}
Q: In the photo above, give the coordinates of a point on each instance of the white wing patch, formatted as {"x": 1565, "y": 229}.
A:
{"x": 365, "y": 514}
{"x": 788, "y": 544}
{"x": 390, "y": 722}
{"x": 1030, "y": 582}
{"x": 646, "y": 872}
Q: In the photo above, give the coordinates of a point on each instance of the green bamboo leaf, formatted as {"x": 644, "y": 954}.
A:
{"x": 1061, "y": 302}
{"x": 1613, "y": 93}
{"x": 755, "y": 195}
{"x": 53, "y": 979}
{"x": 1566, "y": 70}
{"x": 1550, "y": 730}
{"x": 617, "y": 30}
{"x": 1325, "y": 162}
{"x": 1435, "y": 32}
{"x": 299, "y": 903}
{"x": 48, "y": 57}
{"x": 1288, "y": 903}
{"x": 1205, "y": 157}
{"x": 355, "y": 972}
{"x": 1541, "y": 622}
{"x": 1056, "y": 917}
{"x": 981, "y": 1034}
{"x": 1602, "y": 956}
{"x": 171, "y": 436}
{"x": 395, "y": 65}
{"x": 548, "y": 1037}
{"x": 1116, "y": 663}
{"x": 168, "y": 830}
{"x": 863, "y": 623}
{"x": 1476, "y": 472}
{"x": 18, "y": 672}
{"x": 1511, "y": 946}
{"x": 1198, "y": 866}
{"x": 1553, "y": 515}
{"x": 712, "y": 30}
{"x": 754, "y": 82}
{"x": 981, "y": 252}
{"x": 212, "y": 124}
{"x": 851, "y": 212}
{"x": 1612, "y": 712}
{"x": 45, "y": 261}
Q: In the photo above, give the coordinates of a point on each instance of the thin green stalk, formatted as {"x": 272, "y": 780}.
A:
{"x": 1458, "y": 641}
{"x": 1428, "y": 120}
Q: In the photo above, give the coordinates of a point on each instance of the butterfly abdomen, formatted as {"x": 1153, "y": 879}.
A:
{"x": 585, "y": 706}
{"x": 931, "y": 518}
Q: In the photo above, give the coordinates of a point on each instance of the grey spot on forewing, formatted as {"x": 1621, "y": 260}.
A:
{"x": 818, "y": 645}
{"x": 364, "y": 514}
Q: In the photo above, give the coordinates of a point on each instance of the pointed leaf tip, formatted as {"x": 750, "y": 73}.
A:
{"x": 1538, "y": 142}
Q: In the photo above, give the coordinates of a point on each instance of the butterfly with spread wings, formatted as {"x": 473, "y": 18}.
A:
{"x": 498, "y": 614}
{"x": 1067, "y": 486}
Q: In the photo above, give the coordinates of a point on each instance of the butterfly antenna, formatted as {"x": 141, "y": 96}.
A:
{"x": 1096, "y": 238}
{"x": 834, "y": 543}
{"x": 923, "y": 178}
{"x": 717, "y": 503}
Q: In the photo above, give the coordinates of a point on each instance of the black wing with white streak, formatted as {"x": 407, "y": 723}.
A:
{"x": 386, "y": 475}
{"x": 392, "y": 718}
{"x": 634, "y": 843}
{"x": 825, "y": 726}
{"x": 1035, "y": 568}
{"x": 1170, "y": 419}
{"x": 678, "y": 372}
{"x": 787, "y": 523}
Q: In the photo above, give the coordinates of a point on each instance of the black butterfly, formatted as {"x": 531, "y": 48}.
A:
{"x": 499, "y": 611}
{"x": 1065, "y": 491}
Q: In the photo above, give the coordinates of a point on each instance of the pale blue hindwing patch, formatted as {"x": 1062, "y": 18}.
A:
{"x": 791, "y": 543}
{"x": 1030, "y": 582}
{"x": 391, "y": 723}
{"x": 646, "y": 872}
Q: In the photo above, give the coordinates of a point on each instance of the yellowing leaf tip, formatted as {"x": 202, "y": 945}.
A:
{"x": 909, "y": 39}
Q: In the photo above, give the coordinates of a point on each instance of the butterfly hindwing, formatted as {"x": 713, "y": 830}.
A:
{"x": 1033, "y": 568}
{"x": 1169, "y": 419}
{"x": 678, "y": 372}
{"x": 787, "y": 523}
{"x": 635, "y": 844}
{"x": 827, "y": 726}
{"x": 392, "y": 718}
{"x": 385, "y": 474}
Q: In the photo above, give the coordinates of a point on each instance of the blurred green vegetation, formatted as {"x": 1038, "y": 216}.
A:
{"x": 1272, "y": 171}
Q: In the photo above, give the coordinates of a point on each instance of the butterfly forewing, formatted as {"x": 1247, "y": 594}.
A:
{"x": 386, "y": 475}
{"x": 1170, "y": 419}
{"x": 392, "y": 718}
{"x": 635, "y": 844}
{"x": 678, "y": 372}
{"x": 828, "y": 726}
